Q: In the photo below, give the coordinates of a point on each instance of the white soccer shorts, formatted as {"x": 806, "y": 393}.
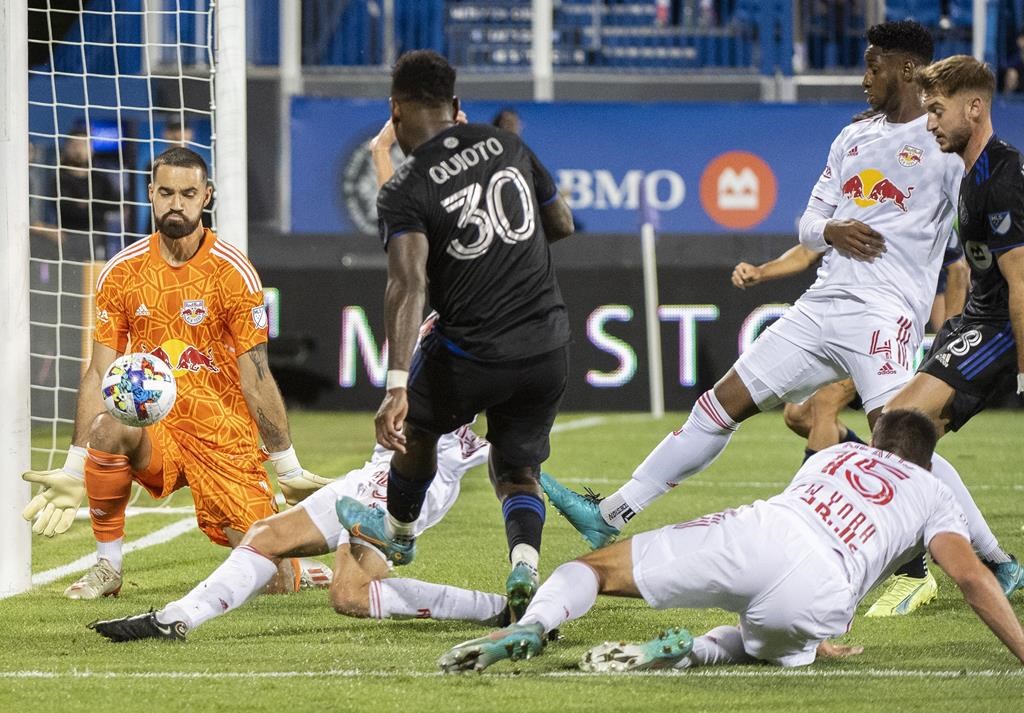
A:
{"x": 760, "y": 561}
{"x": 368, "y": 485}
{"x": 821, "y": 341}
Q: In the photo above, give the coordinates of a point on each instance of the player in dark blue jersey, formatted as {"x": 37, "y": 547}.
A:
{"x": 467, "y": 218}
{"x": 974, "y": 354}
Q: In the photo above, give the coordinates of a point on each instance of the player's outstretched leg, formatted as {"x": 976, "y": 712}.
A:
{"x": 140, "y": 626}
{"x": 663, "y": 651}
{"x": 516, "y": 642}
{"x": 367, "y": 524}
{"x": 1010, "y": 575}
{"x": 582, "y": 511}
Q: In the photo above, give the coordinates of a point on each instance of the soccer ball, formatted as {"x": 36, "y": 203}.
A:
{"x": 138, "y": 389}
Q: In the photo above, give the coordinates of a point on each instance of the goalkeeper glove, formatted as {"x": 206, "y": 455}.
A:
{"x": 64, "y": 488}
{"x": 296, "y": 482}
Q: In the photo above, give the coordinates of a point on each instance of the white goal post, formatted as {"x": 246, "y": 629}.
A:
{"x": 121, "y": 81}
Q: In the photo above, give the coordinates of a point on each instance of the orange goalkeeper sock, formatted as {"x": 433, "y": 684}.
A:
{"x": 108, "y": 482}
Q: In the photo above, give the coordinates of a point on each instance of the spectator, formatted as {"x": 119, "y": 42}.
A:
{"x": 1013, "y": 79}
{"x": 87, "y": 197}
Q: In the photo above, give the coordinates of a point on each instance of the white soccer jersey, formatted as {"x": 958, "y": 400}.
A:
{"x": 457, "y": 453}
{"x": 872, "y": 508}
{"x": 894, "y": 178}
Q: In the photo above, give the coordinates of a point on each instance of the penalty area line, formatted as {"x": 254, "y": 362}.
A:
{"x": 735, "y": 672}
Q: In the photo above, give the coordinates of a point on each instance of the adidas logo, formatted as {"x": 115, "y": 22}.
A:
{"x": 886, "y": 370}
{"x": 852, "y": 152}
{"x": 142, "y": 311}
{"x": 943, "y": 359}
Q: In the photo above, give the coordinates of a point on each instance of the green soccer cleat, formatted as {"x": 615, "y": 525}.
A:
{"x": 138, "y": 627}
{"x": 1010, "y": 575}
{"x": 582, "y": 511}
{"x": 520, "y": 586}
{"x": 904, "y": 595}
{"x": 665, "y": 651}
{"x": 367, "y": 524}
{"x": 516, "y": 643}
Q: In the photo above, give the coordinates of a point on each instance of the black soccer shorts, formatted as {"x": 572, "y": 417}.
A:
{"x": 520, "y": 397}
{"x": 974, "y": 358}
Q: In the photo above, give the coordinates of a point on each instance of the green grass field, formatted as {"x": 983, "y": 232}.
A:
{"x": 292, "y": 652}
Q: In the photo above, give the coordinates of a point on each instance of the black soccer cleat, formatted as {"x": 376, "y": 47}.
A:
{"x": 140, "y": 626}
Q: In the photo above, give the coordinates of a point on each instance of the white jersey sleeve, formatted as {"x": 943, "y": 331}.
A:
{"x": 947, "y": 516}
{"x": 827, "y": 189}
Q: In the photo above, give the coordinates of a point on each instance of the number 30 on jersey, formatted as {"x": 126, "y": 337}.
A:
{"x": 492, "y": 218}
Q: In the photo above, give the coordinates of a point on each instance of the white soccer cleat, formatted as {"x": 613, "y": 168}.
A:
{"x": 101, "y": 580}
{"x": 314, "y": 574}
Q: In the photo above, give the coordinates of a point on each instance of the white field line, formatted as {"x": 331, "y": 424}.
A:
{"x": 157, "y": 537}
{"x": 753, "y": 672}
{"x": 711, "y": 482}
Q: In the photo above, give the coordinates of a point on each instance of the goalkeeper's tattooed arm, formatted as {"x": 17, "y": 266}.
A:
{"x": 267, "y": 408}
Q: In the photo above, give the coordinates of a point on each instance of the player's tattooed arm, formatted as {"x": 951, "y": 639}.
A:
{"x": 263, "y": 398}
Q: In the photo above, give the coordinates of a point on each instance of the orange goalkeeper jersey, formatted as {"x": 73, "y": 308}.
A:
{"x": 199, "y": 318}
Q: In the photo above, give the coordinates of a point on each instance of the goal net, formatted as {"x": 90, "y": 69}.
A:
{"x": 112, "y": 84}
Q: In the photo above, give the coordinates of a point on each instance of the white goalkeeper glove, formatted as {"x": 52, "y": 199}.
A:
{"x": 296, "y": 482}
{"x": 64, "y": 489}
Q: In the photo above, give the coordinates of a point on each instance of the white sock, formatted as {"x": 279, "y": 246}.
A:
{"x": 689, "y": 450}
{"x": 401, "y": 598}
{"x": 243, "y": 574}
{"x": 526, "y": 554}
{"x": 403, "y": 532}
{"x": 569, "y": 593}
{"x": 112, "y": 552}
{"x": 721, "y": 645}
{"x": 982, "y": 538}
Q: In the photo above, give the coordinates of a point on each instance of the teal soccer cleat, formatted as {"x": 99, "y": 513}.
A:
{"x": 520, "y": 586}
{"x": 516, "y": 643}
{"x": 367, "y": 524}
{"x": 665, "y": 651}
{"x": 582, "y": 511}
{"x": 1010, "y": 575}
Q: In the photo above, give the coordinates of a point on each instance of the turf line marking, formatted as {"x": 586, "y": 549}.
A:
{"x": 579, "y": 423}
{"x": 712, "y": 482}
{"x": 157, "y": 537}
{"x": 758, "y": 672}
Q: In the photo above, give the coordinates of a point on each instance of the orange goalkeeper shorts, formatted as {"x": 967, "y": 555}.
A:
{"x": 230, "y": 489}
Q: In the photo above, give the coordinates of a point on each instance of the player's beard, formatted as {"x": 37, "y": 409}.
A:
{"x": 957, "y": 140}
{"x": 176, "y": 229}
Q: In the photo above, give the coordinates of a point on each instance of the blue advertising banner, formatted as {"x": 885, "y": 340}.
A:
{"x": 706, "y": 168}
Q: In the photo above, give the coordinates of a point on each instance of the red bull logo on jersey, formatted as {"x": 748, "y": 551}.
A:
{"x": 193, "y": 311}
{"x": 184, "y": 358}
{"x": 870, "y": 187}
{"x": 909, "y": 156}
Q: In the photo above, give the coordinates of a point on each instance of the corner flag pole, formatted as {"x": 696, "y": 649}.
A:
{"x": 648, "y": 227}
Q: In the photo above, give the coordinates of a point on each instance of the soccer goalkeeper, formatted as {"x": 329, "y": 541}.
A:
{"x": 195, "y": 301}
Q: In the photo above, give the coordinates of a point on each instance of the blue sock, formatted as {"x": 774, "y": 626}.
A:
{"x": 851, "y": 437}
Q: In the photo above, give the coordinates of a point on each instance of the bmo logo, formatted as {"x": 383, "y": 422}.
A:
{"x": 738, "y": 190}
{"x": 661, "y": 189}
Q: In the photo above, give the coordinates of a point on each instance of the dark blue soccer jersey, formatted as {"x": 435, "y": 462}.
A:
{"x": 475, "y": 191}
{"x": 991, "y": 214}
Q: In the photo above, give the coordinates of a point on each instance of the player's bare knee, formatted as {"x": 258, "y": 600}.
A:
{"x": 264, "y": 537}
{"x": 798, "y": 418}
{"x": 109, "y": 435}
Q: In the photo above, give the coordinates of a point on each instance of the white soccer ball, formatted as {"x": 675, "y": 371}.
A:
{"x": 138, "y": 389}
